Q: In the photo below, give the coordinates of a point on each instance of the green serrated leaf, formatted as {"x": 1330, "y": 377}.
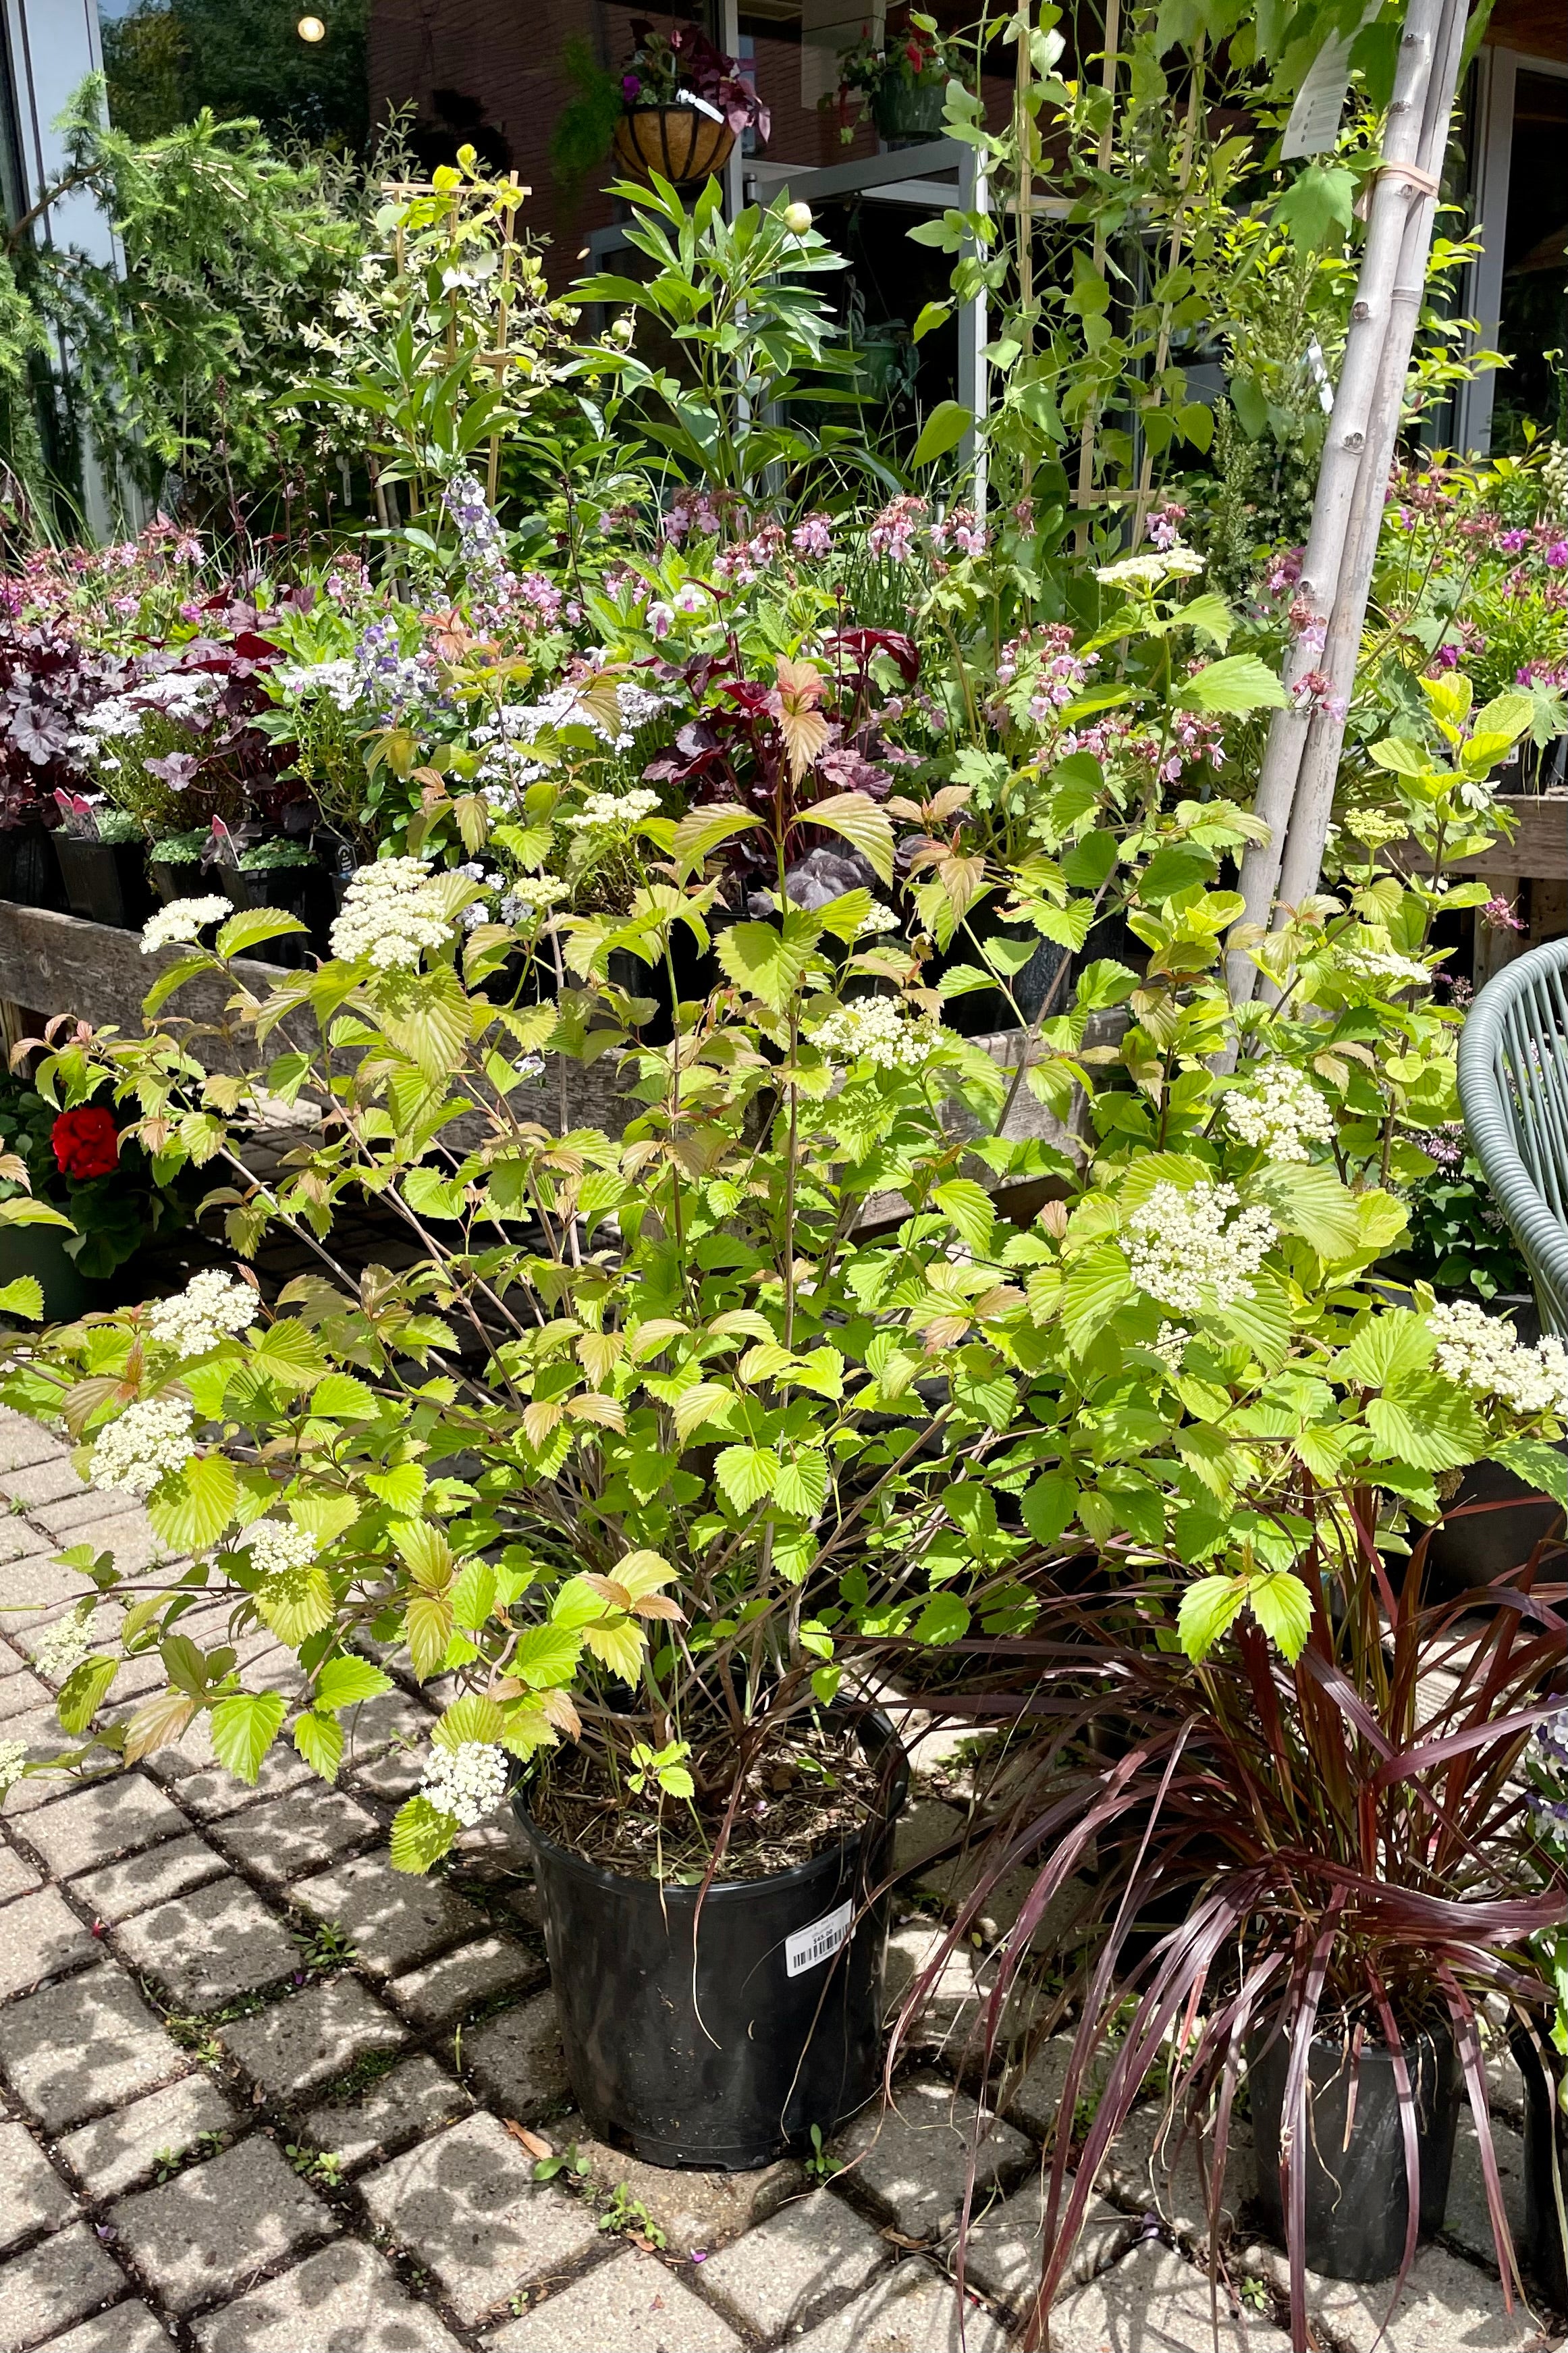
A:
{"x": 1207, "y": 1609}
{"x": 746, "y": 1473}
{"x": 344, "y": 1681}
{"x": 319, "y": 1741}
{"x": 84, "y": 1691}
{"x": 191, "y": 1509}
{"x": 244, "y": 1728}
{"x": 421, "y": 1835}
{"x": 1283, "y": 1608}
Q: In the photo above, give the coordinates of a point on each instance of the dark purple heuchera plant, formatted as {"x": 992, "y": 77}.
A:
{"x": 48, "y": 683}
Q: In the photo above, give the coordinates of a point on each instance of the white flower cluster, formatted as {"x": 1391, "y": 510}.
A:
{"x": 877, "y": 919}
{"x": 185, "y": 695}
{"x": 601, "y": 812}
{"x": 63, "y": 1646}
{"x": 1487, "y": 1356}
{"x": 1177, "y": 562}
{"x": 183, "y": 921}
{"x": 211, "y": 1305}
{"x": 1170, "y": 1342}
{"x": 393, "y": 911}
{"x": 563, "y": 707}
{"x": 1183, "y": 1252}
{"x": 877, "y": 1029}
{"x": 531, "y": 895}
{"x": 13, "y": 1756}
{"x": 1283, "y": 1111}
{"x": 339, "y": 678}
{"x": 151, "y": 1436}
{"x": 1383, "y": 963}
{"x": 276, "y": 1546}
{"x": 467, "y": 1782}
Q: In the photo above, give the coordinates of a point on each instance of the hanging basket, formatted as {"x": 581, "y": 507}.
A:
{"x": 681, "y": 144}
{"x": 908, "y": 113}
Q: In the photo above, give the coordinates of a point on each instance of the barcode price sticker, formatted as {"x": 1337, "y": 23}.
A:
{"x": 809, "y": 1947}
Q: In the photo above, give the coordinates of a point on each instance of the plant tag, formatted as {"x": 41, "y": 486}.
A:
{"x": 809, "y": 1947}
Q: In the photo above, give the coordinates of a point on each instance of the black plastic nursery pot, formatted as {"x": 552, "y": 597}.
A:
{"x": 177, "y": 878}
{"x": 40, "y": 1251}
{"x": 720, "y": 2041}
{"x": 1543, "y": 2254}
{"x": 302, "y": 891}
{"x": 1494, "y": 1542}
{"x": 105, "y": 882}
{"x": 30, "y": 870}
{"x": 1357, "y": 2197}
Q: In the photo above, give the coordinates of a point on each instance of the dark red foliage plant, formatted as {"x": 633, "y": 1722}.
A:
{"x": 1337, "y": 1848}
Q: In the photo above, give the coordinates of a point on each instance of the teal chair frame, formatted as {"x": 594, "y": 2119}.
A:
{"x": 1513, "y": 1087}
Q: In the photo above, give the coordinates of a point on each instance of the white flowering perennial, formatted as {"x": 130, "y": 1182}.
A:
{"x": 62, "y": 1648}
{"x": 601, "y": 812}
{"x": 183, "y": 921}
{"x": 277, "y": 1546}
{"x": 877, "y": 1029}
{"x": 393, "y": 911}
{"x": 1383, "y": 963}
{"x": 151, "y": 1436}
{"x": 1282, "y": 1111}
{"x": 212, "y": 1307}
{"x": 877, "y": 919}
{"x": 1177, "y": 562}
{"x": 1183, "y": 1251}
{"x": 467, "y": 1782}
{"x": 1170, "y": 1342}
{"x": 13, "y": 1756}
{"x": 532, "y": 895}
{"x": 1486, "y": 1355}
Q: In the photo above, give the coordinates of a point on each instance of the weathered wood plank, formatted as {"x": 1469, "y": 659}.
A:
{"x": 1539, "y": 848}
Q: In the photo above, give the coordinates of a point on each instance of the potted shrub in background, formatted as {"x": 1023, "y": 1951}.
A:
{"x": 684, "y": 104}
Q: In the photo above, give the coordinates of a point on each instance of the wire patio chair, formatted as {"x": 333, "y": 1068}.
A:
{"x": 1513, "y": 1088}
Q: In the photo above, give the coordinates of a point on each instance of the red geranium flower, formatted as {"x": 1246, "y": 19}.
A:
{"x": 86, "y": 1141}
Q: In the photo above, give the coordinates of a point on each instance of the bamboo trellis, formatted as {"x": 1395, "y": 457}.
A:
{"x": 1300, "y": 763}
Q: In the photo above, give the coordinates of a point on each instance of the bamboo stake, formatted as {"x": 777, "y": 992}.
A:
{"x": 1023, "y": 141}
{"x": 1172, "y": 255}
{"x": 1303, "y": 857}
{"x": 1107, "y": 146}
{"x": 1426, "y": 32}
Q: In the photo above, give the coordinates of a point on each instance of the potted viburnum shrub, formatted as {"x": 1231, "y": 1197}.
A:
{"x": 638, "y": 1451}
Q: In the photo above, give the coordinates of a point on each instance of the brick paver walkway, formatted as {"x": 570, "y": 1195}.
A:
{"x": 259, "y": 2092}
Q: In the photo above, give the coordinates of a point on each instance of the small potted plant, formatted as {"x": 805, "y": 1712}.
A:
{"x": 102, "y": 855}
{"x": 174, "y": 863}
{"x": 277, "y": 871}
{"x": 900, "y": 79}
{"x": 78, "y": 1163}
{"x": 684, "y": 104}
